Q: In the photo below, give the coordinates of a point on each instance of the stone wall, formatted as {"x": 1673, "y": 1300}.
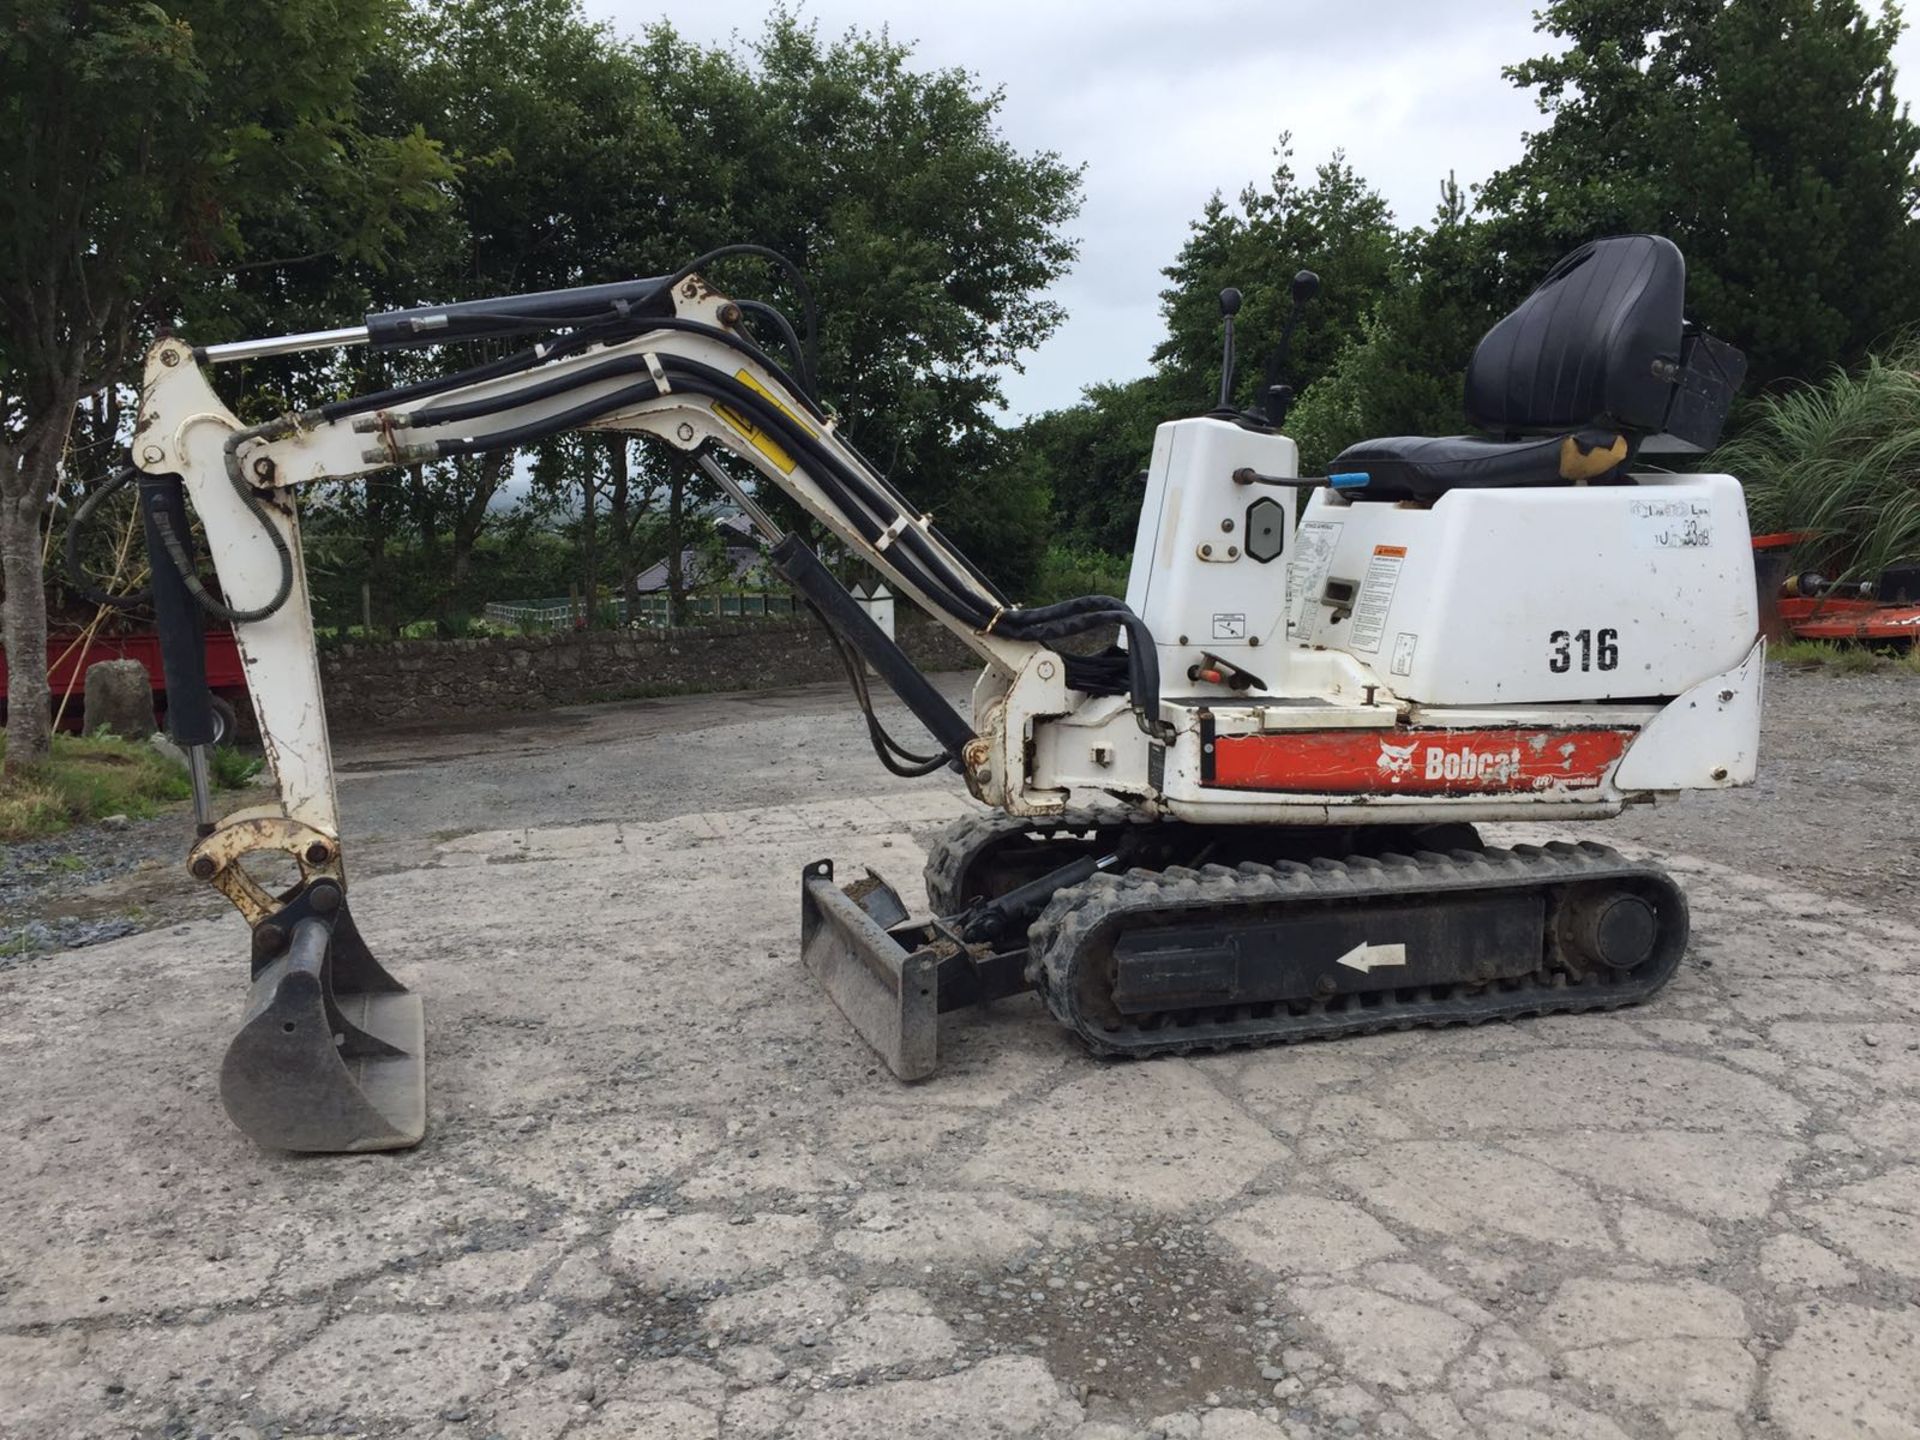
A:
{"x": 422, "y": 681}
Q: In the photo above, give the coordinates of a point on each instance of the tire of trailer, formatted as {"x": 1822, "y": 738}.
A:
{"x": 226, "y": 720}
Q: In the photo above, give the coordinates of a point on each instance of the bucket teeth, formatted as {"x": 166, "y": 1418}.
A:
{"x": 331, "y": 1055}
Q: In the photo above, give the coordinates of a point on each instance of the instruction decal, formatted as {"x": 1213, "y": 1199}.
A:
{"x": 1229, "y": 627}
{"x": 1669, "y": 524}
{"x": 1376, "y": 596}
{"x": 1403, "y": 644}
{"x": 1313, "y": 547}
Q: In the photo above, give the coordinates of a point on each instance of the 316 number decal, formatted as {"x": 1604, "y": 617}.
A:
{"x": 1598, "y": 649}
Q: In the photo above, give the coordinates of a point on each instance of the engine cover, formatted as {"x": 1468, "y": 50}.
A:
{"x": 1528, "y": 596}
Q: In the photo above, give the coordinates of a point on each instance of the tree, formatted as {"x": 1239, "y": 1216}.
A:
{"x": 1403, "y": 373}
{"x": 140, "y": 147}
{"x": 1088, "y": 457}
{"x": 1762, "y": 136}
{"x": 1338, "y": 227}
{"x": 1090, "y": 454}
{"x": 555, "y": 130}
{"x": 928, "y": 238}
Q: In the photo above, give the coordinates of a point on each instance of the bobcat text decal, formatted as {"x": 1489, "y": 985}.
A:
{"x": 1416, "y": 762}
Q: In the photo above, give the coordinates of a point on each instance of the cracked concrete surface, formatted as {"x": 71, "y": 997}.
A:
{"x": 667, "y": 1194}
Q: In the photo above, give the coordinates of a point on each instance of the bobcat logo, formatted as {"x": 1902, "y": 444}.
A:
{"x": 1396, "y": 761}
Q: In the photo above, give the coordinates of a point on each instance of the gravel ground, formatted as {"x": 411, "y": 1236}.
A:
{"x": 64, "y": 892}
{"x": 666, "y": 1195}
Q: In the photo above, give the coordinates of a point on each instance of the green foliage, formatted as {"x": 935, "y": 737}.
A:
{"x": 1841, "y": 462}
{"x": 1090, "y": 458}
{"x": 929, "y": 241}
{"x": 203, "y": 130}
{"x": 150, "y": 156}
{"x": 1067, "y": 571}
{"x": 85, "y": 778}
{"x": 1338, "y": 227}
{"x": 234, "y": 769}
{"x": 520, "y": 557}
{"x": 1762, "y": 136}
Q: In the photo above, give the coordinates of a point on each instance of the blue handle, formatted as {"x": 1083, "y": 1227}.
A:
{"x": 1349, "y": 480}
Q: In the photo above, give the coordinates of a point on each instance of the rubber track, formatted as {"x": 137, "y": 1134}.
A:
{"x": 956, "y": 847}
{"x": 1077, "y": 915}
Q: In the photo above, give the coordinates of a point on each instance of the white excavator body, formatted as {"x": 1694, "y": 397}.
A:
{"x": 1274, "y": 768}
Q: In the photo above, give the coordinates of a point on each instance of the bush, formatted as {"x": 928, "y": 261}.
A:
{"x": 1067, "y": 571}
{"x": 1841, "y": 462}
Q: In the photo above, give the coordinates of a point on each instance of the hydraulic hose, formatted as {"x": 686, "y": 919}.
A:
{"x": 863, "y": 500}
{"x": 76, "y": 576}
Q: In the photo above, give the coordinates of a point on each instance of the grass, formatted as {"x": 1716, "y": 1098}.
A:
{"x": 85, "y": 778}
{"x": 233, "y": 769}
{"x": 1841, "y": 461}
{"x": 1843, "y": 659}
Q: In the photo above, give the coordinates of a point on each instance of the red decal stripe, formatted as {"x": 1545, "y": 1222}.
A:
{"x": 1418, "y": 762}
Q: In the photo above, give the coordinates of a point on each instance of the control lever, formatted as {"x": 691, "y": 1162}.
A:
{"x": 1279, "y": 394}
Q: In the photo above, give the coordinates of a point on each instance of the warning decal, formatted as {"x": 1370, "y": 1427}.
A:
{"x": 1376, "y": 596}
{"x": 757, "y": 437}
{"x": 1229, "y": 626}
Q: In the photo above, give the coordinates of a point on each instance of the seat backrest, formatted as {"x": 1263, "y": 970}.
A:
{"x": 1593, "y": 345}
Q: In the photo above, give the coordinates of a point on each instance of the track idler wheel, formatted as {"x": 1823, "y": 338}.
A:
{"x": 331, "y": 1054}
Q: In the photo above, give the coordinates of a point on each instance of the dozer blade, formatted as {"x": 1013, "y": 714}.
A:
{"x": 331, "y": 1054}
{"x": 889, "y": 995}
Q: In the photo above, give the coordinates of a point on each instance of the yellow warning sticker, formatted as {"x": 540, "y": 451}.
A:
{"x": 755, "y": 436}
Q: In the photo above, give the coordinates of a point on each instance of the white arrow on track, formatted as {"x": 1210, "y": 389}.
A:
{"x": 1364, "y": 957}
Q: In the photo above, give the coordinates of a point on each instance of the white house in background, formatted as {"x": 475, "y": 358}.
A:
{"x": 739, "y": 567}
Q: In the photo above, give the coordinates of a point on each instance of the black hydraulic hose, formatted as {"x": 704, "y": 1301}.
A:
{"x": 980, "y": 577}
{"x": 622, "y": 365}
{"x": 553, "y": 425}
{"x": 890, "y": 752}
{"x": 454, "y": 413}
{"x": 801, "y": 569}
{"x": 801, "y": 363}
{"x": 811, "y": 359}
{"x": 423, "y": 389}
{"x": 175, "y": 544}
{"x": 864, "y": 500}
{"x": 76, "y": 576}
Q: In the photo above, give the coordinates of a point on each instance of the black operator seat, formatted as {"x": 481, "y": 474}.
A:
{"x": 1594, "y": 361}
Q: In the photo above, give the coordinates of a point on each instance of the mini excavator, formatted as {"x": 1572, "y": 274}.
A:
{"x": 1236, "y": 807}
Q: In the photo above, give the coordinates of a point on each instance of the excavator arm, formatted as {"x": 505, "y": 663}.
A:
{"x": 329, "y": 1057}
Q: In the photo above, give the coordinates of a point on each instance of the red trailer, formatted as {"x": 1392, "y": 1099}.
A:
{"x": 69, "y": 655}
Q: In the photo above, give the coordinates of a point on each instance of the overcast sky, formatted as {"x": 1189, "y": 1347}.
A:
{"x": 1166, "y": 103}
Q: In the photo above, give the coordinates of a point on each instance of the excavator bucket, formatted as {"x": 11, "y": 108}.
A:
{"x": 331, "y": 1054}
